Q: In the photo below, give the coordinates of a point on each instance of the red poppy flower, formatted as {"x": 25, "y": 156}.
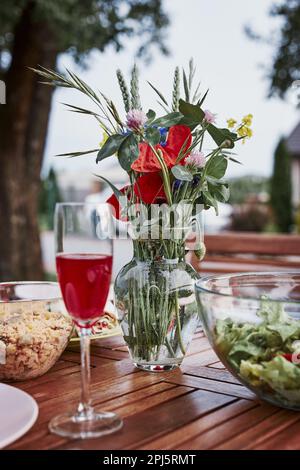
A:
{"x": 178, "y": 137}
{"x": 113, "y": 201}
{"x": 150, "y": 189}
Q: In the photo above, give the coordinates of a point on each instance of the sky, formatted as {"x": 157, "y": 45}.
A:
{"x": 228, "y": 63}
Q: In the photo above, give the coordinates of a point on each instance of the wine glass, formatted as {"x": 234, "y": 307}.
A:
{"x": 83, "y": 234}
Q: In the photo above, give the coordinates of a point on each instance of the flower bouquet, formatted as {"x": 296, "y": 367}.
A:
{"x": 170, "y": 181}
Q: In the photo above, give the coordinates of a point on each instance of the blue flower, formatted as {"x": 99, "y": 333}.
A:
{"x": 163, "y": 130}
{"x": 176, "y": 185}
{"x": 195, "y": 181}
{"x": 163, "y": 135}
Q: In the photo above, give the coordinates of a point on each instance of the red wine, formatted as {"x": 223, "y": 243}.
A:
{"x": 84, "y": 281}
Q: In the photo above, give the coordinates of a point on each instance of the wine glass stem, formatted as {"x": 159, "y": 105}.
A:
{"x": 85, "y": 409}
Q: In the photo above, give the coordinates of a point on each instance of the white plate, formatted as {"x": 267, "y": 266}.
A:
{"x": 18, "y": 412}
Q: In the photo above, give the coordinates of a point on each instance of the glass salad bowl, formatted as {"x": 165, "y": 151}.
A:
{"x": 34, "y": 329}
{"x": 253, "y": 324}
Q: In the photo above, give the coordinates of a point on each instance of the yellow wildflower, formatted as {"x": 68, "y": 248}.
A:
{"x": 249, "y": 132}
{"x": 231, "y": 123}
{"x": 247, "y": 120}
{"x": 244, "y": 131}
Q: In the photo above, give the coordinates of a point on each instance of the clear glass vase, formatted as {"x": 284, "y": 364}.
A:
{"x": 156, "y": 304}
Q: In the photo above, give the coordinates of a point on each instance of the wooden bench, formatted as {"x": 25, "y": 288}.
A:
{"x": 246, "y": 252}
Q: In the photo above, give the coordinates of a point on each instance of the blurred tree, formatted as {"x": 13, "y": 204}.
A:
{"x": 49, "y": 196}
{"x": 35, "y": 32}
{"x": 244, "y": 186}
{"x": 281, "y": 195}
{"x": 285, "y": 67}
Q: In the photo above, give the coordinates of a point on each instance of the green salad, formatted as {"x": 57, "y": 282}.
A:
{"x": 265, "y": 354}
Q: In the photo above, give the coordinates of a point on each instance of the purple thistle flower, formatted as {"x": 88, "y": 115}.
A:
{"x": 209, "y": 116}
{"x": 135, "y": 119}
{"x": 196, "y": 159}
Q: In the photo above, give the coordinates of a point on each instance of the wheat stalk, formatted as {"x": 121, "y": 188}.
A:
{"x": 124, "y": 90}
{"x": 176, "y": 90}
{"x": 134, "y": 89}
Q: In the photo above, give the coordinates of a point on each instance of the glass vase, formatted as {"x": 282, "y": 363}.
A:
{"x": 154, "y": 295}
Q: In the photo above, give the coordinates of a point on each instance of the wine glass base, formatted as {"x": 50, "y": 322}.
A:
{"x": 93, "y": 426}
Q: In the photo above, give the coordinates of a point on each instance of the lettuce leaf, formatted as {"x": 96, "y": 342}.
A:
{"x": 278, "y": 373}
{"x": 256, "y": 351}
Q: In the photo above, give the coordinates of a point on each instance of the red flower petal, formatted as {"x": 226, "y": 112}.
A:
{"x": 150, "y": 188}
{"x": 114, "y": 202}
{"x": 177, "y": 137}
{"x": 147, "y": 161}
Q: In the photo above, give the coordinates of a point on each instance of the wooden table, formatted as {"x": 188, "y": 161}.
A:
{"x": 200, "y": 406}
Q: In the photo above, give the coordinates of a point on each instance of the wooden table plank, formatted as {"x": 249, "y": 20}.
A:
{"x": 223, "y": 388}
{"x": 232, "y": 427}
{"x": 200, "y": 406}
{"x": 126, "y": 396}
{"x": 289, "y": 439}
{"x": 199, "y": 426}
{"x": 160, "y": 420}
{"x": 222, "y": 375}
{"x": 263, "y": 431}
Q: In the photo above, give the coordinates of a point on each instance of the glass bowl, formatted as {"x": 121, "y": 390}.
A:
{"x": 34, "y": 329}
{"x": 253, "y": 324}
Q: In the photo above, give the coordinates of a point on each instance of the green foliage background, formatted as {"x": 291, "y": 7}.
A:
{"x": 281, "y": 191}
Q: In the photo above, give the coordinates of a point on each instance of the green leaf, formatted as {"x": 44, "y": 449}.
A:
{"x": 216, "y": 166}
{"x": 234, "y": 160}
{"x": 272, "y": 312}
{"x": 222, "y": 135}
{"x": 193, "y": 115}
{"x": 220, "y": 192}
{"x": 76, "y": 154}
{"x": 215, "y": 181}
{"x": 203, "y": 98}
{"x": 168, "y": 120}
{"x": 128, "y": 152}
{"x": 110, "y": 147}
{"x": 163, "y": 106}
{"x": 186, "y": 121}
{"x": 77, "y": 109}
{"x": 115, "y": 190}
{"x": 286, "y": 331}
{"x": 210, "y": 201}
{"x": 186, "y": 86}
{"x": 228, "y": 154}
{"x": 181, "y": 173}
{"x": 242, "y": 350}
{"x": 159, "y": 94}
{"x": 191, "y": 111}
{"x": 152, "y": 135}
{"x": 151, "y": 116}
{"x": 119, "y": 195}
{"x": 282, "y": 376}
{"x": 197, "y": 95}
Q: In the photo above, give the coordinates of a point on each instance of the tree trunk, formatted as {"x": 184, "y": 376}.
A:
{"x": 23, "y": 128}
